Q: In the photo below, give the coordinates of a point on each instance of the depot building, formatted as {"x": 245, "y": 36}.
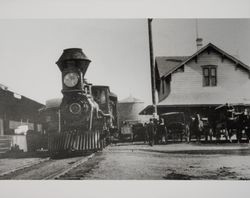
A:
{"x": 199, "y": 83}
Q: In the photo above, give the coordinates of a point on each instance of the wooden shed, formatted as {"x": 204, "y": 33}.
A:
{"x": 17, "y": 115}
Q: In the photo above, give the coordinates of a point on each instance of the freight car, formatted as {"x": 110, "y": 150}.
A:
{"x": 87, "y": 113}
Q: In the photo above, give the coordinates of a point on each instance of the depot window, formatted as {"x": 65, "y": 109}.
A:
{"x": 209, "y": 76}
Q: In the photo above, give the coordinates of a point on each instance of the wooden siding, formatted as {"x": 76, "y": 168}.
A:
{"x": 230, "y": 80}
{"x": 165, "y": 88}
{"x": 16, "y": 109}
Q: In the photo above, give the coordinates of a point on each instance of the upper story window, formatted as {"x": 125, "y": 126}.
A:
{"x": 209, "y": 76}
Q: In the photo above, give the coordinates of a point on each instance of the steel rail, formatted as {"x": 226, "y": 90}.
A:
{"x": 60, "y": 173}
{"x": 28, "y": 165}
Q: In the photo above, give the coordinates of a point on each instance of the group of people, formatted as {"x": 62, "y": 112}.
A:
{"x": 155, "y": 132}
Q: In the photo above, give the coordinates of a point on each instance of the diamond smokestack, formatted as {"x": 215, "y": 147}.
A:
{"x": 73, "y": 57}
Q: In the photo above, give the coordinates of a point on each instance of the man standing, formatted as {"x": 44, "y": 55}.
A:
{"x": 145, "y": 132}
{"x": 162, "y": 131}
{"x": 151, "y": 132}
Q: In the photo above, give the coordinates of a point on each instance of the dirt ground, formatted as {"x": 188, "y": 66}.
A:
{"x": 168, "y": 162}
{"x": 137, "y": 161}
{"x": 7, "y": 165}
{"x": 42, "y": 170}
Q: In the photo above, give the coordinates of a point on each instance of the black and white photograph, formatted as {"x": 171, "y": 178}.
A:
{"x": 113, "y": 99}
{"x": 125, "y": 99}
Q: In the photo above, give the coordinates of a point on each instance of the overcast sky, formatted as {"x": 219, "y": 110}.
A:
{"x": 118, "y": 49}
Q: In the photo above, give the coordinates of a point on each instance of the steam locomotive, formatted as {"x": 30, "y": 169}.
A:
{"x": 87, "y": 113}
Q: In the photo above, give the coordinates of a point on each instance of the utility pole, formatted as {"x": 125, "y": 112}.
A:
{"x": 152, "y": 67}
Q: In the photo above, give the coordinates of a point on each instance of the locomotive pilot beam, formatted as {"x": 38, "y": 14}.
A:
{"x": 86, "y": 111}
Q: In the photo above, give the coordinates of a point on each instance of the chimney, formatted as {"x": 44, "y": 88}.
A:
{"x": 199, "y": 43}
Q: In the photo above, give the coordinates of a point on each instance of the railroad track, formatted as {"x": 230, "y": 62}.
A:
{"x": 20, "y": 168}
{"x": 61, "y": 173}
{"x": 55, "y": 168}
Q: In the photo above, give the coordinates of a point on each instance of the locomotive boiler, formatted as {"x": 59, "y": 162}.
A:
{"x": 87, "y": 112}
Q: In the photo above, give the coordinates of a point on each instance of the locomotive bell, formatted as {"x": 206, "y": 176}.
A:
{"x": 73, "y": 64}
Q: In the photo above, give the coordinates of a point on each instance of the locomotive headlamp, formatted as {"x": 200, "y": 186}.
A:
{"x": 71, "y": 79}
{"x": 75, "y": 108}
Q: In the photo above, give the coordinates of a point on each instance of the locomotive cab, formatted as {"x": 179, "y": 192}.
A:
{"x": 100, "y": 95}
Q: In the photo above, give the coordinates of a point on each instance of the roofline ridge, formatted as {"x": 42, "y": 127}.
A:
{"x": 171, "y": 56}
{"x": 201, "y": 50}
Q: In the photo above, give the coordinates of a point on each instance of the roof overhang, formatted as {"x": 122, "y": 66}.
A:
{"x": 150, "y": 109}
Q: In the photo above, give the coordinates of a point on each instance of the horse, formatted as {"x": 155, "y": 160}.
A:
{"x": 161, "y": 132}
{"x": 207, "y": 129}
{"x": 245, "y": 124}
{"x": 247, "y": 128}
{"x": 232, "y": 123}
{"x": 196, "y": 127}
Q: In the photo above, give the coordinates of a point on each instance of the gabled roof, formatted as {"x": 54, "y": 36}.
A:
{"x": 8, "y": 96}
{"x": 166, "y": 65}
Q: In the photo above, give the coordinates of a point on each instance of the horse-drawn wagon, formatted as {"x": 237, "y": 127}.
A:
{"x": 177, "y": 127}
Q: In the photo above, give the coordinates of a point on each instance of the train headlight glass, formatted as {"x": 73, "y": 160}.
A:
{"x": 75, "y": 108}
{"x": 71, "y": 79}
